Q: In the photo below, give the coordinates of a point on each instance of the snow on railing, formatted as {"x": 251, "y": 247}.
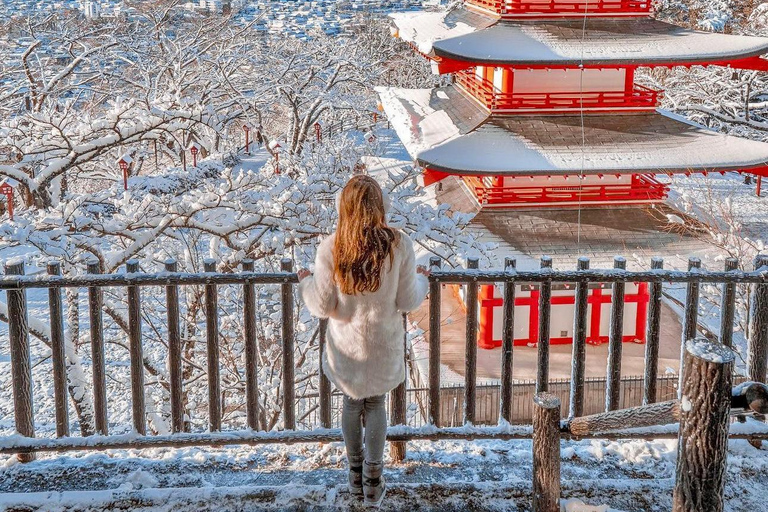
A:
{"x": 533, "y": 8}
{"x": 498, "y": 102}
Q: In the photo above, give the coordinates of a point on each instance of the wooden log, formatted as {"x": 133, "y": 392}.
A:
{"x": 21, "y": 369}
{"x": 660, "y": 413}
{"x": 251, "y": 351}
{"x": 95, "y": 308}
{"x": 58, "y": 354}
{"x": 758, "y": 326}
{"x": 136, "y": 352}
{"x": 470, "y": 370}
{"x": 212, "y": 350}
{"x": 579, "y": 354}
{"x": 615, "y": 341}
{"x": 325, "y": 383}
{"x": 289, "y": 395}
{"x": 397, "y": 449}
{"x": 434, "y": 345}
{"x": 507, "y": 344}
{"x": 652, "y": 336}
{"x": 546, "y": 453}
{"x": 691, "y": 316}
{"x": 728, "y": 305}
{"x": 174, "y": 351}
{"x": 703, "y": 442}
{"x": 545, "y": 309}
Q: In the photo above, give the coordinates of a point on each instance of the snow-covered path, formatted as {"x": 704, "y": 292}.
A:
{"x": 445, "y": 476}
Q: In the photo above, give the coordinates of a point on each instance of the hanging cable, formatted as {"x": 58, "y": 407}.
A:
{"x": 581, "y": 118}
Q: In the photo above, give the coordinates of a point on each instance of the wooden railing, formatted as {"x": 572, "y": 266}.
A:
{"x": 498, "y": 102}
{"x": 528, "y": 8}
{"x": 15, "y": 284}
{"x": 645, "y": 188}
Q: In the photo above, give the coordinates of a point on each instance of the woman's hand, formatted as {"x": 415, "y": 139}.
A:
{"x": 421, "y": 269}
{"x": 303, "y": 274}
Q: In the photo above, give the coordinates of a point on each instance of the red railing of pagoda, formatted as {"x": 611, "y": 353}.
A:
{"x": 643, "y": 188}
{"x": 639, "y": 98}
{"x": 515, "y": 8}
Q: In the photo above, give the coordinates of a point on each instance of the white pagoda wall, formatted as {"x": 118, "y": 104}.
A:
{"x": 562, "y": 181}
{"x": 568, "y": 80}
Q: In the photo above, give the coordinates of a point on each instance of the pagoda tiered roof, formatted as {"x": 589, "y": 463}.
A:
{"x": 461, "y": 38}
{"x": 446, "y": 131}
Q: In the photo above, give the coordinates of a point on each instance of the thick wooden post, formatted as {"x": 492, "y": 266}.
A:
{"x": 728, "y": 305}
{"x": 212, "y": 346}
{"x": 95, "y": 308}
{"x": 470, "y": 371}
{"x": 578, "y": 361}
{"x": 703, "y": 439}
{"x": 434, "y": 346}
{"x": 652, "y": 334}
{"x": 546, "y": 453}
{"x": 58, "y": 354}
{"x": 136, "y": 352}
{"x": 325, "y": 383}
{"x": 21, "y": 369}
{"x": 397, "y": 449}
{"x": 545, "y": 308}
{"x": 174, "y": 351}
{"x": 690, "y": 321}
{"x": 289, "y": 396}
{"x": 615, "y": 339}
{"x": 251, "y": 350}
{"x": 758, "y": 326}
{"x": 507, "y": 343}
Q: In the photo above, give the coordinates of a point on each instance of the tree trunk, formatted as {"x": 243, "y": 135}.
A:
{"x": 77, "y": 382}
{"x": 546, "y": 453}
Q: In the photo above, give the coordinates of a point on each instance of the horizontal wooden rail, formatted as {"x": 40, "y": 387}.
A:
{"x": 8, "y": 282}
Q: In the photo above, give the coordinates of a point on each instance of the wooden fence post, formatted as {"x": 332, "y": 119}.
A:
{"x": 325, "y": 383}
{"x": 758, "y": 331}
{"x": 174, "y": 351}
{"x": 470, "y": 368}
{"x": 212, "y": 349}
{"x": 578, "y": 361}
{"x": 251, "y": 350}
{"x": 397, "y": 449}
{"x": 652, "y": 334}
{"x": 546, "y": 453}
{"x": 507, "y": 343}
{"x": 434, "y": 346}
{"x": 703, "y": 439}
{"x": 615, "y": 340}
{"x": 95, "y": 308}
{"x": 545, "y": 309}
{"x": 58, "y": 354}
{"x": 728, "y": 305}
{"x": 21, "y": 369}
{"x": 136, "y": 352}
{"x": 289, "y": 395}
{"x": 691, "y": 317}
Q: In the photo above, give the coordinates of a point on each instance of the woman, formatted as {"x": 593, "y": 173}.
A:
{"x": 365, "y": 278}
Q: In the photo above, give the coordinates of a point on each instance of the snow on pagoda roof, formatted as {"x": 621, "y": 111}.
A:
{"x": 596, "y": 41}
{"x": 423, "y": 28}
{"x": 552, "y": 145}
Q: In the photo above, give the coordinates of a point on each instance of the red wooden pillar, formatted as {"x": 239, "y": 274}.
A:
{"x": 595, "y": 316}
{"x": 487, "y": 303}
{"x": 759, "y": 185}
{"x": 641, "y": 318}
{"x": 533, "y": 318}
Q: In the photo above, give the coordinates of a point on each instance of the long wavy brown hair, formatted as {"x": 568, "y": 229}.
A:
{"x": 363, "y": 242}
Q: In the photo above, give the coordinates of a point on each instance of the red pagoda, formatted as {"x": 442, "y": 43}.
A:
{"x": 545, "y": 111}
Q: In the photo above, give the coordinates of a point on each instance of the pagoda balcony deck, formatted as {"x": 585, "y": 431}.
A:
{"x": 510, "y": 9}
{"x": 640, "y": 98}
{"x": 645, "y": 188}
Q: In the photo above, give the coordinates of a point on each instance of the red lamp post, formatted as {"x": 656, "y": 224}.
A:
{"x": 124, "y": 162}
{"x": 247, "y": 131}
{"x": 275, "y": 147}
{"x": 318, "y": 132}
{"x": 7, "y": 190}
{"x": 194, "y": 149}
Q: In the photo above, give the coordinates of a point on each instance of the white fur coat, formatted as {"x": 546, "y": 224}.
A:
{"x": 364, "y": 353}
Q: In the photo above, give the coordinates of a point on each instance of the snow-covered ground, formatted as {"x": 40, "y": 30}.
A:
{"x": 445, "y": 476}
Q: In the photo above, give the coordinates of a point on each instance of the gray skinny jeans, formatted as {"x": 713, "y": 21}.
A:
{"x": 370, "y": 412}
